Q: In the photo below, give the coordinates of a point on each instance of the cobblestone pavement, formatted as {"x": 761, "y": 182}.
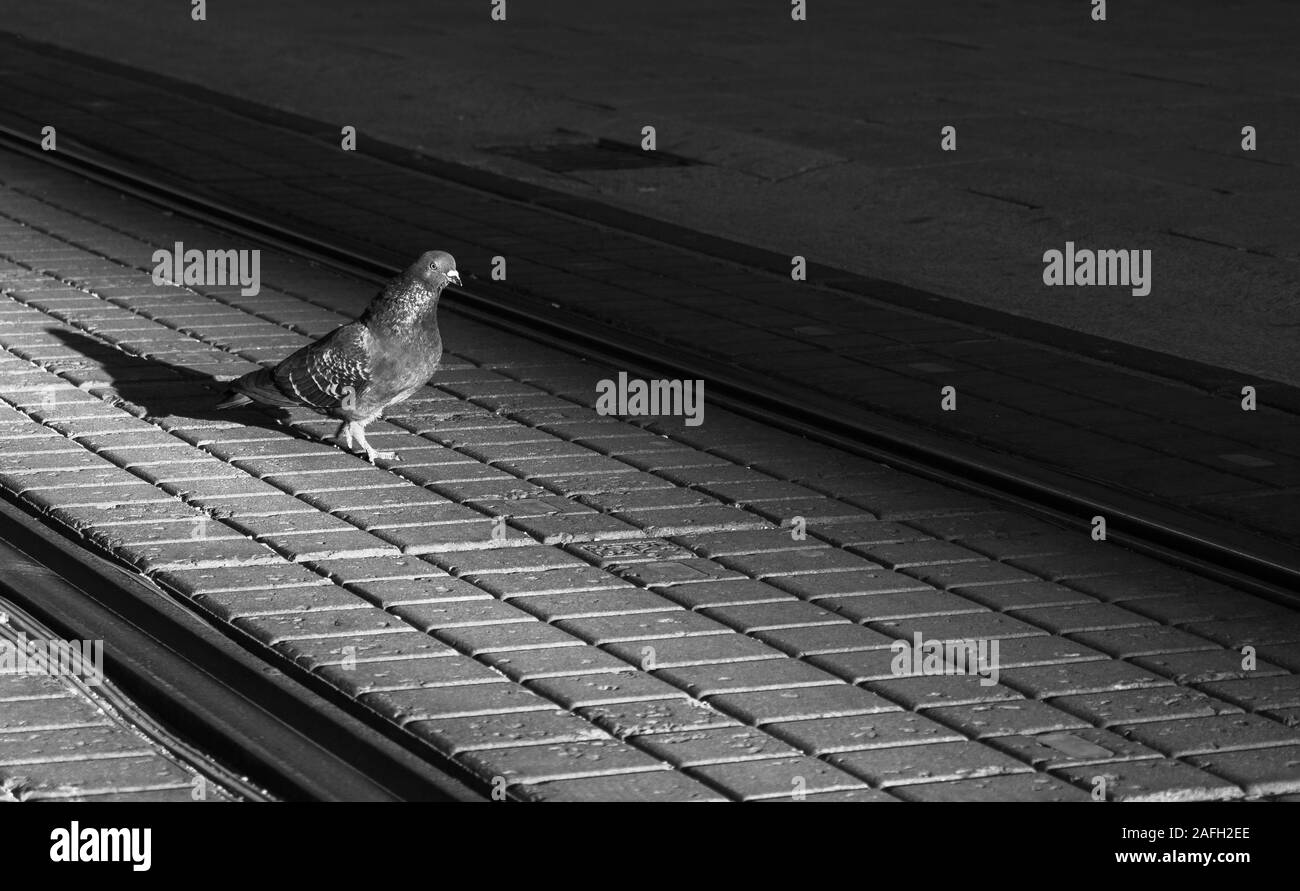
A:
{"x": 61, "y": 742}
{"x": 1172, "y": 431}
{"x": 583, "y": 607}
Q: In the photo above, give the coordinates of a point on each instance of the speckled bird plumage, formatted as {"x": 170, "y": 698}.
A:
{"x": 359, "y": 369}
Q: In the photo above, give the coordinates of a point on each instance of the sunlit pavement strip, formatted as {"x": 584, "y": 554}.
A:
{"x": 644, "y": 628}
{"x": 57, "y": 743}
{"x": 1193, "y": 447}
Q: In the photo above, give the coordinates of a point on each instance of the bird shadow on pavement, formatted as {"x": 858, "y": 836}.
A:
{"x": 154, "y": 388}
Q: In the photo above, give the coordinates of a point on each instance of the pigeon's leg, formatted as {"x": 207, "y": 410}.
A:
{"x": 345, "y": 433}
{"x": 355, "y": 428}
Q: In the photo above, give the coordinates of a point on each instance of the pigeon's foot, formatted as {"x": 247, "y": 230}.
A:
{"x": 349, "y": 429}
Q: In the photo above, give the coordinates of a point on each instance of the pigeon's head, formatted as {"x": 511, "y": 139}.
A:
{"x": 435, "y": 269}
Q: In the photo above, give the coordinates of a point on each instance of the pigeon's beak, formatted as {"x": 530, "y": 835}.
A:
{"x": 453, "y": 277}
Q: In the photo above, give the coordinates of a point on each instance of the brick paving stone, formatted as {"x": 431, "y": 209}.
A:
{"x": 1258, "y": 693}
{"x": 820, "y": 509}
{"x": 327, "y": 544}
{"x": 601, "y": 630}
{"x": 920, "y": 553}
{"x": 928, "y": 763}
{"x": 53, "y": 782}
{"x": 547, "y": 581}
{"x": 1083, "y": 617}
{"x": 163, "y": 795}
{"x": 163, "y": 556}
{"x": 314, "y": 652}
{"x": 624, "y": 553}
{"x": 464, "y": 701}
{"x": 475, "y": 563}
{"x": 408, "y": 674}
{"x": 801, "y": 703}
{"x": 951, "y": 576}
{"x": 929, "y": 691}
{"x": 435, "y": 588}
{"x": 1012, "y": 718}
{"x": 976, "y": 625}
{"x": 1080, "y": 677}
{"x": 777, "y": 778}
{"x": 1145, "y": 640}
{"x": 1200, "y": 736}
{"x": 432, "y": 669}
{"x": 722, "y": 544}
{"x": 1101, "y": 560}
{"x": 50, "y": 746}
{"x": 1180, "y": 610}
{"x": 504, "y": 730}
{"x": 444, "y": 614}
{"x": 578, "y": 691}
{"x": 868, "y": 581}
{"x": 256, "y": 525}
{"x": 1270, "y": 771}
{"x": 1250, "y": 632}
{"x": 845, "y": 795}
{"x": 1016, "y": 787}
{"x": 794, "y": 562}
{"x": 635, "y": 787}
{"x": 352, "y": 570}
{"x": 576, "y": 528}
{"x": 1205, "y": 666}
{"x": 681, "y": 652}
{"x": 825, "y": 735}
{"x": 710, "y": 679}
{"x": 559, "y": 761}
{"x": 856, "y": 666}
{"x": 477, "y": 640}
{"x": 724, "y": 593}
{"x": 215, "y": 580}
{"x": 1149, "y": 585}
{"x": 1153, "y": 780}
{"x": 865, "y": 532}
{"x": 231, "y": 605}
{"x": 619, "y": 478}
{"x": 902, "y": 605}
{"x": 545, "y": 662}
{"x": 1134, "y": 706}
{"x": 749, "y": 618}
{"x": 675, "y": 572}
{"x": 382, "y": 507}
{"x": 49, "y": 713}
{"x": 690, "y": 520}
{"x": 820, "y": 639}
{"x": 271, "y": 629}
{"x": 444, "y": 537}
{"x": 1038, "y": 545}
{"x": 1055, "y": 749}
{"x": 1287, "y": 656}
{"x": 675, "y": 715}
{"x": 585, "y": 604}
{"x": 713, "y": 745}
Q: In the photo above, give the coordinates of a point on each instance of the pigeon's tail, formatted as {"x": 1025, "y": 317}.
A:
{"x": 256, "y": 386}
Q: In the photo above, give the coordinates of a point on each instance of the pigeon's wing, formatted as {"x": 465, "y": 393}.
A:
{"x": 331, "y": 373}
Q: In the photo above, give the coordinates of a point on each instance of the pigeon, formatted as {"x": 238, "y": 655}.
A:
{"x": 359, "y": 369}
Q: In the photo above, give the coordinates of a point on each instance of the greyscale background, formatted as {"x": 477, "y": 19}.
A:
{"x": 1050, "y": 245}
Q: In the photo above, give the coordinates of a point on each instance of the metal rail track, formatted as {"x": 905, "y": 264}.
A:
{"x": 104, "y": 693}
{"x": 1262, "y": 566}
{"x": 307, "y": 740}
{"x": 195, "y": 691}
